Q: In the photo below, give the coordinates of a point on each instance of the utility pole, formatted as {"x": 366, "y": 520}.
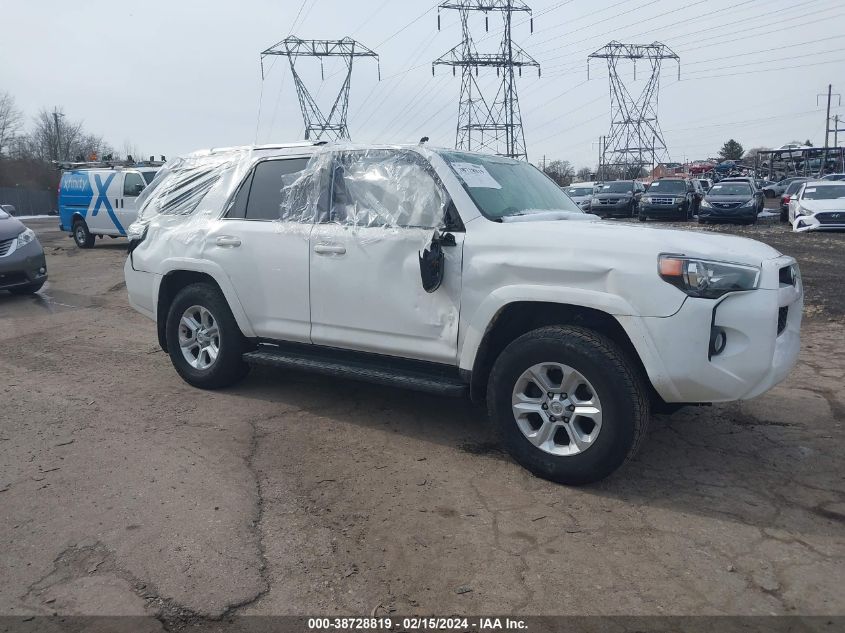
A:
{"x": 484, "y": 124}
{"x": 633, "y": 120}
{"x": 830, "y": 94}
{"x": 56, "y": 115}
{"x": 317, "y": 124}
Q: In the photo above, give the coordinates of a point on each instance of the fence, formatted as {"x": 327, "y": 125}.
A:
{"x": 29, "y": 201}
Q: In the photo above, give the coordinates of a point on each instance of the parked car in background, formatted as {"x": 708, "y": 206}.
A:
{"x": 619, "y": 198}
{"x": 100, "y": 201}
{"x": 778, "y": 188}
{"x": 582, "y": 193}
{"x": 819, "y": 205}
{"x": 23, "y": 268}
{"x": 791, "y": 190}
{"x": 444, "y": 271}
{"x": 733, "y": 201}
{"x": 8, "y": 208}
{"x": 834, "y": 177}
{"x": 791, "y": 150}
{"x": 668, "y": 199}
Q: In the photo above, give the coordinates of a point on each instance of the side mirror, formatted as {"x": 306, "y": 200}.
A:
{"x": 432, "y": 263}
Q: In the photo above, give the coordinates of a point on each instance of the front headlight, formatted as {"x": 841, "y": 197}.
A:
{"x": 750, "y": 203}
{"x": 26, "y": 237}
{"x": 706, "y": 205}
{"x": 803, "y": 211}
{"x": 647, "y": 199}
{"x": 705, "y": 278}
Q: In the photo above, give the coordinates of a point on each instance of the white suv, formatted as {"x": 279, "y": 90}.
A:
{"x": 457, "y": 273}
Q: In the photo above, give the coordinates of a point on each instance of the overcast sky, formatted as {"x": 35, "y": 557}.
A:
{"x": 171, "y": 77}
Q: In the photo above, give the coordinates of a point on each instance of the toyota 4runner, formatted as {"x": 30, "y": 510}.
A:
{"x": 456, "y": 273}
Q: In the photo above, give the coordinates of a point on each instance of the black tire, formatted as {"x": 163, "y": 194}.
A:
{"x": 784, "y": 215}
{"x": 619, "y": 387}
{"x": 702, "y": 220}
{"x": 81, "y": 235}
{"x": 229, "y": 366}
{"x": 641, "y": 217}
{"x": 28, "y": 289}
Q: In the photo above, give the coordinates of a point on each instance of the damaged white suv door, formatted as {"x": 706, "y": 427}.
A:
{"x": 365, "y": 281}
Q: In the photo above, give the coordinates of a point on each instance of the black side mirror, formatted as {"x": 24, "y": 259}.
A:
{"x": 432, "y": 263}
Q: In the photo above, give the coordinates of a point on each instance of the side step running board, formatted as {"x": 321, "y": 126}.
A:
{"x": 376, "y": 369}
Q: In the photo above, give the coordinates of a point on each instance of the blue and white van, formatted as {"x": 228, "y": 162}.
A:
{"x": 100, "y": 200}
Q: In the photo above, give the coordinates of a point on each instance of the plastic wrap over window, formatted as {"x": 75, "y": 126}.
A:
{"x": 182, "y": 187}
{"x": 386, "y": 189}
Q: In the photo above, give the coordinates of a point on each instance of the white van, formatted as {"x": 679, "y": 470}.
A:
{"x": 100, "y": 200}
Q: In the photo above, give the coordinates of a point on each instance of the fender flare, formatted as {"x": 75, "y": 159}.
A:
{"x": 484, "y": 316}
{"x": 187, "y": 264}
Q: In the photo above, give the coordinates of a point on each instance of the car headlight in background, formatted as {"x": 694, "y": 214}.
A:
{"x": 803, "y": 211}
{"x": 647, "y": 199}
{"x": 706, "y": 278}
{"x": 750, "y": 203}
{"x": 706, "y": 205}
{"x": 136, "y": 233}
{"x": 26, "y": 237}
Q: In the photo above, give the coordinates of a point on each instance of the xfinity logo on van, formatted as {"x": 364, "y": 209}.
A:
{"x": 76, "y": 183}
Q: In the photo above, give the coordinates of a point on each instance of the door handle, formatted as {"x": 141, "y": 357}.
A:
{"x": 229, "y": 241}
{"x": 329, "y": 249}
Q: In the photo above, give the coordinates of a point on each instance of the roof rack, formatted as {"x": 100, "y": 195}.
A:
{"x": 128, "y": 163}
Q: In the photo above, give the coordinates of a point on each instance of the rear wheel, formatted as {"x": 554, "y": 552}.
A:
{"x": 567, "y": 404}
{"x": 81, "y": 235}
{"x": 203, "y": 339}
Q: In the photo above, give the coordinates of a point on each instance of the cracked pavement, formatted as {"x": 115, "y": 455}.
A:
{"x": 125, "y": 491}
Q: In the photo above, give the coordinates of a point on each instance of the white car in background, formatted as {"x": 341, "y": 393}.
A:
{"x": 582, "y": 193}
{"x": 818, "y": 206}
{"x": 796, "y": 148}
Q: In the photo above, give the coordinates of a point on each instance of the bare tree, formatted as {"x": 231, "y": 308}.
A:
{"x": 584, "y": 174}
{"x": 561, "y": 171}
{"x": 11, "y": 121}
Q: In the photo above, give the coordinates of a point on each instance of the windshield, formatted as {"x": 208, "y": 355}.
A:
{"x": 730, "y": 189}
{"x": 3, "y": 215}
{"x": 577, "y": 192}
{"x": 824, "y": 192}
{"x": 505, "y": 187}
{"x": 667, "y": 186}
{"x": 618, "y": 186}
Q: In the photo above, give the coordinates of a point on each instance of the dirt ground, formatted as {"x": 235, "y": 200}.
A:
{"x": 125, "y": 491}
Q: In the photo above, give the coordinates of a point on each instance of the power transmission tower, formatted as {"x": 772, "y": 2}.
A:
{"x": 635, "y": 138}
{"x": 317, "y": 125}
{"x": 483, "y": 124}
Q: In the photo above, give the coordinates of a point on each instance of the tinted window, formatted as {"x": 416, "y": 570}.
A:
{"x": 730, "y": 189}
{"x": 265, "y": 193}
{"x": 133, "y": 184}
{"x": 148, "y": 176}
{"x": 794, "y": 186}
{"x": 580, "y": 191}
{"x": 667, "y": 186}
{"x": 824, "y": 192}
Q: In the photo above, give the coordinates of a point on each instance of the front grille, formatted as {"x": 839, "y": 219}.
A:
{"x": 725, "y": 205}
{"x": 662, "y": 201}
{"x": 5, "y": 245}
{"x": 783, "y": 313}
{"x": 834, "y": 217}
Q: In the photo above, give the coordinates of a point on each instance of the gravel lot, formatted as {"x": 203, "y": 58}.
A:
{"x": 125, "y": 491}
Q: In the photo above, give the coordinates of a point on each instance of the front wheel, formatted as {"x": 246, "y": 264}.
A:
{"x": 641, "y": 217}
{"x": 567, "y": 404}
{"x": 203, "y": 339}
{"x": 82, "y": 236}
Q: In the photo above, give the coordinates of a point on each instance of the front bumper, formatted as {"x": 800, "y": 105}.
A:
{"x": 617, "y": 208}
{"x": 662, "y": 210}
{"x": 762, "y": 330}
{"x": 737, "y": 214}
{"x": 23, "y": 266}
{"x": 822, "y": 221}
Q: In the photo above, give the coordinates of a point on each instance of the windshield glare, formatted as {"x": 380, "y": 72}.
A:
{"x": 730, "y": 189}
{"x": 503, "y": 187}
{"x": 667, "y": 186}
{"x": 618, "y": 186}
{"x": 578, "y": 192}
{"x": 824, "y": 192}
{"x": 794, "y": 186}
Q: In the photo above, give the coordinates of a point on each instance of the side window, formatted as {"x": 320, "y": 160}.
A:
{"x": 133, "y": 184}
{"x": 265, "y": 195}
{"x": 386, "y": 189}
